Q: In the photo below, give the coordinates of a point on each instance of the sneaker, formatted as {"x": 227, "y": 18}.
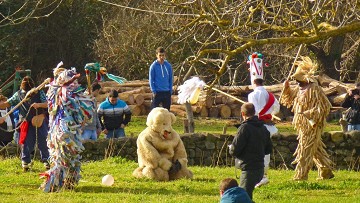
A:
{"x": 47, "y": 165}
{"x": 263, "y": 181}
{"x": 26, "y": 166}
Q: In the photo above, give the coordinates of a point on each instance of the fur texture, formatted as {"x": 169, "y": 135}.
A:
{"x": 158, "y": 148}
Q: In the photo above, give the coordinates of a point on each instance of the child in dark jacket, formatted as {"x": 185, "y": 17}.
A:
{"x": 249, "y": 146}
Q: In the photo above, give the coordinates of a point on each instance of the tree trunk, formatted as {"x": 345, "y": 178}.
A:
{"x": 330, "y": 62}
{"x": 190, "y": 117}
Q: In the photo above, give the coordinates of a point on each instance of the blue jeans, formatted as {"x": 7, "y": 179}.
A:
{"x": 30, "y": 142}
{"x": 89, "y": 135}
{"x": 116, "y": 133}
{"x": 353, "y": 127}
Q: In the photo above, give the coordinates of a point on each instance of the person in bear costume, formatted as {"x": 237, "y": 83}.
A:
{"x": 161, "y": 152}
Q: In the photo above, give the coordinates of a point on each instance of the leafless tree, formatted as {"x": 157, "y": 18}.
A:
{"x": 15, "y": 11}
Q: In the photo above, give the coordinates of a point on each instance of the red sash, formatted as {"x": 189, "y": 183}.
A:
{"x": 270, "y": 102}
{"x": 24, "y": 126}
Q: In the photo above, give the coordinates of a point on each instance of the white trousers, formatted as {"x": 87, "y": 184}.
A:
{"x": 272, "y": 129}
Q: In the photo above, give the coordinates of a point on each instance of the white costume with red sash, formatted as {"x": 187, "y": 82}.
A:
{"x": 265, "y": 104}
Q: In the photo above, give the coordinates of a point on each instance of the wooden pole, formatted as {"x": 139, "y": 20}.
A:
{"x": 27, "y": 95}
{"x": 291, "y": 70}
{"x": 237, "y": 99}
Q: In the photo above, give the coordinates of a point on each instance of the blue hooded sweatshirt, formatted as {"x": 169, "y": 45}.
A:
{"x": 235, "y": 195}
{"x": 161, "y": 77}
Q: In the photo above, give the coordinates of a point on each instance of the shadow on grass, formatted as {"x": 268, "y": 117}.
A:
{"x": 303, "y": 185}
{"x": 143, "y": 190}
{"x": 150, "y": 187}
{"x": 207, "y": 180}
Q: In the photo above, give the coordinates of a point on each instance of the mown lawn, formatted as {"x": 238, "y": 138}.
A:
{"x": 17, "y": 186}
{"x": 212, "y": 125}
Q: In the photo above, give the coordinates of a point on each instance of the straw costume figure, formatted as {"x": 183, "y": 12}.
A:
{"x": 69, "y": 108}
{"x": 311, "y": 107}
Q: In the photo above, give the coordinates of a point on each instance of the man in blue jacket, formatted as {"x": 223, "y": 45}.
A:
{"x": 161, "y": 80}
{"x": 116, "y": 114}
{"x": 250, "y": 146}
{"x": 230, "y": 192}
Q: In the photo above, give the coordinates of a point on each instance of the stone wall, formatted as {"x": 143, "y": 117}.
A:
{"x": 212, "y": 150}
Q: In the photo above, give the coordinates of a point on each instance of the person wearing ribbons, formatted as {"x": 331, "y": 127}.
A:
{"x": 161, "y": 80}
{"x": 265, "y": 103}
{"x": 34, "y": 121}
{"x": 311, "y": 107}
{"x": 69, "y": 109}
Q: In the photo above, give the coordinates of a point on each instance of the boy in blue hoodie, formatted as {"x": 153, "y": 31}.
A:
{"x": 230, "y": 192}
{"x": 161, "y": 80}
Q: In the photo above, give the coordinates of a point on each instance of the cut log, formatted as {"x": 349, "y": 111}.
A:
{"x": 225, "y": 111}
{"x": 135, "y": 110}
{"x": 324, "y": 80}
{"x": 204, "y": 111}
{"x": 206, "y": 101}
{"x": 147, "y": 103}
{"x": 128, "y": 98}
{"x": 177, "y": 111}
{"x": 147, "y": 96}
{"x": 174, "y": 99}
{"x": 235, "y": 110}
{"x": 195, "y": 109}
{"x": 330, "y": 91}
{"x": 101, "y": 97}
{"x": 139, "y": 90}
{"x": 214, "y": 112}
{"x": 139, "y": 99}
{"x": 144, "y": 110}
{"x": 337, "y": 100}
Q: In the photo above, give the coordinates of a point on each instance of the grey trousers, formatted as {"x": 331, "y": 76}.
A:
{"x": 249, "y": 179}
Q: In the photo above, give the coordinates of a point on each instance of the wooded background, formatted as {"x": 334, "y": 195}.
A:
{"x": 210, "y": 38}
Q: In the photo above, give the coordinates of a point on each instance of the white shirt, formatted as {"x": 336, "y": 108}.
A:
{"x": 259, "y": 98}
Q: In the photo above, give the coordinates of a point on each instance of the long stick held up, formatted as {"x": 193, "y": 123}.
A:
{"x": 292, "y": 68}
{"x": 27, "y": 95}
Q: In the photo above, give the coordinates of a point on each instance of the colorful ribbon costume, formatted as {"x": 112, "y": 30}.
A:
{"x": 69, "y": 108}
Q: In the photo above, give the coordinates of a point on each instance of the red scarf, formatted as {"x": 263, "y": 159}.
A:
{"x": 270, "y": 102}
{"x": 24, "y": 126}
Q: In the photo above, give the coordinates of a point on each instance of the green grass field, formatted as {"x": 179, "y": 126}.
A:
{"x": 212, "y": 125}
{"x": 17, "y": 186}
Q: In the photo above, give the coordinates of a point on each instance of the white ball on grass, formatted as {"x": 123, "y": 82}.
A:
{"x": 108, "y": 180}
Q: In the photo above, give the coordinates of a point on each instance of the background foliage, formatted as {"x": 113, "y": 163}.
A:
{"x": 198, "y": 35}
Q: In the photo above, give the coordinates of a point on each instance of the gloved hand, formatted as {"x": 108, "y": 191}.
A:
{"x": 175, "y": 167}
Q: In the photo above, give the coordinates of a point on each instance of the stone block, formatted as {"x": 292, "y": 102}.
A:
{"x": 289, "y": 137}
{"x": 337, "y": 136}
{"x": 209, "y": 145}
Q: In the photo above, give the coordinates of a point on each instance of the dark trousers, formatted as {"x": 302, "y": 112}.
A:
{"x": 249, "y": 179}
{"x": 30, "y": 141}
{"x": 162, "y": 97}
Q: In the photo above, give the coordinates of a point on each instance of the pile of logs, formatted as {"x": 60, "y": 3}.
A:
{"x": 138, "y": 96}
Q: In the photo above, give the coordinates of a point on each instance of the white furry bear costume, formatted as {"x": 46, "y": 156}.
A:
{"x": 161, "y": 152}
